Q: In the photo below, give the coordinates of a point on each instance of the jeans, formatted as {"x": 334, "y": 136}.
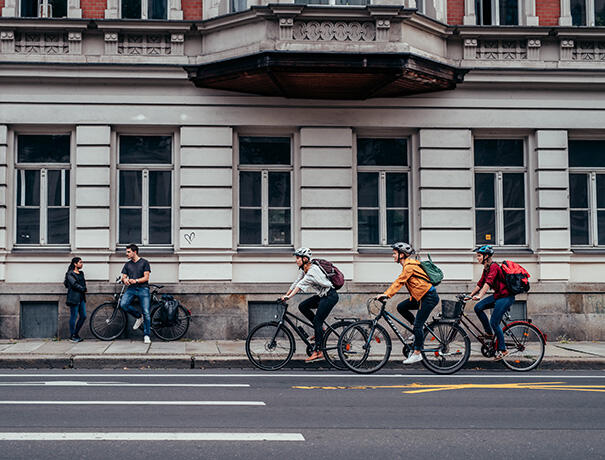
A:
{"x": 426, "y": 305}
{"x": 75, "y": 326}
{"x": 324, "y": 306}
{"x": 142, "y": 292}
{"x": 500, "y": 307}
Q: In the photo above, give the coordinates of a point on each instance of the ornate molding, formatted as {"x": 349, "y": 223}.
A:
{"x": 589, "y": 51}
{"x": 341, "y": 31}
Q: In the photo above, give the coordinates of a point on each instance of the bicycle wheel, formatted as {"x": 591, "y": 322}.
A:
{"x": 270, "y": 346}
{"x": 108, "y": 321}
{"x": 364, "y": 347}
{"x": 525, "y": 346}
{"x": 446, "y": 347}
{"x": 170, "y": 331}
{"x": 330, "y": 345}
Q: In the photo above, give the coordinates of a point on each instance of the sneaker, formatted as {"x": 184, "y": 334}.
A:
{"x": 137, "y": 323}
{"x": 315, "y": 356}
{"x": 146, "y": 339}
{"x": 413, "y": 358}
{"x": 500, "y": 355}
{"x": 79, "y": 339}
{"x": 73, "y": 339}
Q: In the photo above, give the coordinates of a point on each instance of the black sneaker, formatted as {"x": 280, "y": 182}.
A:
{"x": 74, "y": 339}
{"x": 79, "y": 339}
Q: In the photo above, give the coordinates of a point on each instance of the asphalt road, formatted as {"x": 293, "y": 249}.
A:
{"x": 300, "y": 415}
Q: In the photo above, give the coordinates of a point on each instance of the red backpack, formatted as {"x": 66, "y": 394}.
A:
{"x": 515, "y": 277}
{"x": 334, "y": 274}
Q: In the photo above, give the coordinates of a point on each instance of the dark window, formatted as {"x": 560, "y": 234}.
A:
{"x": 509, "y": 12}
{"x": 145, "y": 150}
{"x": 578, "y": 12}
{"x": 587, "y": 154}
{"x": 599, "y": 13}
{"x": 499, "y": 152}
{"x": 34, "y": 8}
{"x": 279, "y": 207}
{"x": 131, "y": 9}
{"x": 368, "y": 208}
{"x": 579, "y": 209}
{"x": 157, "y": 9}
{"x": 382, "y": 152}
{"x": 43, "y": 149}
{"x": 485, "y": 208}
{"x": 264, "y": 150}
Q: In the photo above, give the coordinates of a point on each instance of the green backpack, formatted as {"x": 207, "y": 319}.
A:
{"x": 433, "y": 272}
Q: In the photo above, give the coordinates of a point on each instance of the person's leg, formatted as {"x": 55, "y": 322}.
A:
{"x": 487, "y": 302}
{"x": 427, "y": 304}
{"x": 125, "y": 303}
{"x": 81, "y": 317}
{"x": 326, "y": 304}
{"x": 404, "y": 309}
{"x": 73, "y": 313}
{"x": 307, "y": 305}
{"x": 144, "y": 298}
{"x": 501, "y": 307}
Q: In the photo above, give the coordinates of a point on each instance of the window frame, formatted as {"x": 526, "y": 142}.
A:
{"x": 46, "y": 8}
{"x": 382, "y": 191}
{"x": 144, "y": 14}
{"x": 498, "y": 172}
{"x": 264, "y": 170}
{"x": 145, "y": 170}
{"x": 495, "y": 19}
{"x": 590, "y": 14}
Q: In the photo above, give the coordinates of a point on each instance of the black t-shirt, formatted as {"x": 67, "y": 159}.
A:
{"x": 136, "y": 270}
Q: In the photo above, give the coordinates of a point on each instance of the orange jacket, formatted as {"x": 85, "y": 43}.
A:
{"x": 413, "y": 277}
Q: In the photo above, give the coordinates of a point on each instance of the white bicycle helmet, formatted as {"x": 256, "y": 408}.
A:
{"x": 403, "y": 248}
{"x": 303, "y": 252}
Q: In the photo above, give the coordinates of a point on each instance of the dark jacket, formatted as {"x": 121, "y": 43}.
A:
{"x": 76, "y": 288}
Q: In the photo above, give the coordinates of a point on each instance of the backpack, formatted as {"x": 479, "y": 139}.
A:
{"x": 515, "y": 277}
{"x": 334, "y": 274}
{"x": 433, "y": 272}
{"x": 168, "y": 313}
{"x": 65, "y": 281}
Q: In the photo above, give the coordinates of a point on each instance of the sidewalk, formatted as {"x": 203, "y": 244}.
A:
{"x": 92, "y": 354}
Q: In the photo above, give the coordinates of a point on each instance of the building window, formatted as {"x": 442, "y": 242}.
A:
{"x": 497, "y": 12}
{"x": 145, "y": 190}
{"x": 500, "y": 203}
{"x": 382, "y": 191}
{"x": 265, "y": 183}
{"x": 587, "y": 192}
{"x": 587, "y": 12}
{"x": 333, "y": 2}
{"x": 44, "y": 8}
{"x": 144, "y": 9}
{"x": 42, "y": 178}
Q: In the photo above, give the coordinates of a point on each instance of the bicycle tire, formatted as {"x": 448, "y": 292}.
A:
{"x": 364, "y": 347}
{"x": 169, "y": 333}
{"x": 525, "y": 345}
{"x": 447, "y": 349}
{"x": 104, "y": 330}
{"x": 263, "y": 353}
{"x": 330, "y": 344}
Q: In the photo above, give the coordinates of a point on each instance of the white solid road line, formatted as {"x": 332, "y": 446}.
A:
{"x": 134, "y": 436}
{"x": 80, "y": 383}
{"x": 135, "y": 403}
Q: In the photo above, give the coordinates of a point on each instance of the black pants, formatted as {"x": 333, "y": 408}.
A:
{"x": 429, "y": 301}
{"x": 324, "y": 306}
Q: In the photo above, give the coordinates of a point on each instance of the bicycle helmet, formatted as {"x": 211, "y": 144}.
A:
{"x": 403, "y": 248}
{"x": 303, "y": 252}
{"x": 486, "y": 250}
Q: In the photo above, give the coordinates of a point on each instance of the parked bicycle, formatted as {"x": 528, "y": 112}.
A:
{"x": 270, "y": 345}
{"x": 365, "y": 346}
{"x": 108, "y": 321}
{"x": 524, "y": 341}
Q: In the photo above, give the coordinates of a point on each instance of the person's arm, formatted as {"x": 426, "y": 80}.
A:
{"x": 73, "y": 283}
{"x": 488, "y": 282}
{"x": 143, "y": 279}
{"x": 293, "y": 286}
{"x": 292, "y": 293}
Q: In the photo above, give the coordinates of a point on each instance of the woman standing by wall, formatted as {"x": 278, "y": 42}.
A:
{"x": 76, "y": 297}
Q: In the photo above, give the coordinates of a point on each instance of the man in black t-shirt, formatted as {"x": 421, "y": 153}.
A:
{"x": 135, "y": 274}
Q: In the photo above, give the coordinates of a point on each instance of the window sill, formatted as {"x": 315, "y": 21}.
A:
{"x": 375, "y": 250}
{"x": 265, "y": 250}
{"x": 42, "y": 249}
{"x": 498, "y": 250}
{"x": 598, "y": 250}
{"x": 148, "y": 250}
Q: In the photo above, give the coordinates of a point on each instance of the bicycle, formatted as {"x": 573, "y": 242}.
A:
{"x": 365, "y": 346}
{"x": 270, "y": 345}
{"x": 524, "y": 341}
{"x": 108, "y": 321}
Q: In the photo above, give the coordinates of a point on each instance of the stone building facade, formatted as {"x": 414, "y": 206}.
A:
{"x": 219, "y": 136}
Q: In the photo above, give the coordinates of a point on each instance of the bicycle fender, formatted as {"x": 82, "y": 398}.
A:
{"x": 544, "y": 336}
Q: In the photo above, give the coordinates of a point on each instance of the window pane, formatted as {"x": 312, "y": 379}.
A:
{"x": 579, "y": 227}
{"x": 513, "y": 191}
{"x": 367, "y": 190}
{"x": 485, "y": 227}
{"x": 157, "y": 9}
{"x": 352, "y": 2}
{"x": 382, "y": 152}
{"x": 279, "y": 189}
{"x": 249, "y": 188}
{"x": 32, "y": 188}
{"x": 59, "y": 8}
{"x": 238, "y": 5}
{"x": 130, "y": 188}
{"x": 160, "y": 187}
{"x": 599, "y": 15}
{"x": 28, "y": 226}
{"x": 160, "y": 223}
{"x": 498, "y": 152}
{"x": 43, "y": 149}
{"x": 54, "y": 188}
{"x": 58, "y": 225}
{"x": 145, "y": 149}
{"x": 279, "y": 226}
{"x": 397, "y": 225}
{"x": 509, "y": 12}
{"x": 578, "y": 12}
{"x": 578, "y": 190}
{"x": 484, "y": 12}
{"x": 484, "y": 190}
{"x": 29, "y": 8}
{"x": 397, "y": 190}
{"x": 250, "y": 226}
{"x": 514, "y": 227}
{"x": 130, "y": 226}
{"x": 264, "y": 150}
{"x": 601, "y": 226}
{"x": 600, "y": 190}
{"x": 367, "y": 227}
{"x": 131, "y": 9}
{"x": 589, "y": 154}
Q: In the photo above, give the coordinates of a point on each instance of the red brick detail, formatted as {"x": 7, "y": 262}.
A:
{"x": 192, "y": 9}
{"x": 1, "y": 6}
{"x": 455, "y": 12}
{"x": 548, "y": 11}
{"x": 93, "y": 9}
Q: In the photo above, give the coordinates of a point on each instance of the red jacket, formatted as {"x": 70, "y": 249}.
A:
{"x": 494, "y": 276}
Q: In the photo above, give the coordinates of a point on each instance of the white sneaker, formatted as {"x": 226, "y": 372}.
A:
{"x": 413, "y": 358}
{"x": 137, "y": 323}
{"x": 146, "y": 339}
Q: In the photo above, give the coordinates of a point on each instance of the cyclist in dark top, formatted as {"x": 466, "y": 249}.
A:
{"x": 135, "y": 275}
{"x": 501, "y": 300}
